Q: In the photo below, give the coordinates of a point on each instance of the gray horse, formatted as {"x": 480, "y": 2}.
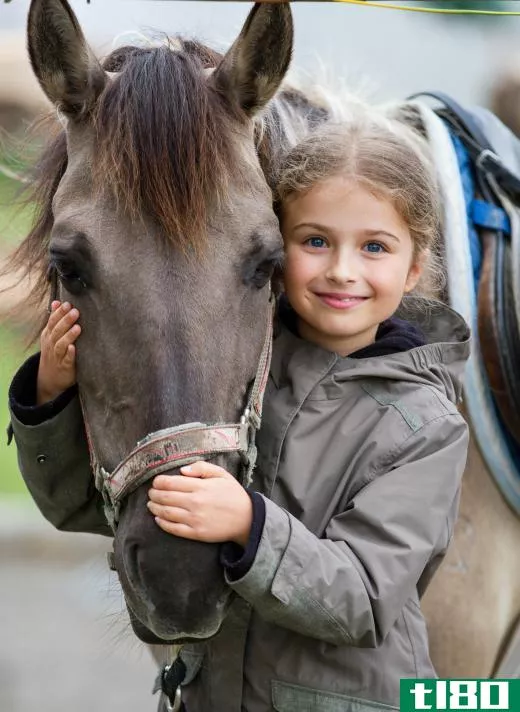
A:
{"x": 156, "y": 218}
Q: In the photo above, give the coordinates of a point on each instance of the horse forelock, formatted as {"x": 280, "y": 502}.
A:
{"x": 164, "y": 140}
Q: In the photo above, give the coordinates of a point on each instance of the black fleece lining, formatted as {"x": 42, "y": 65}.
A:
{"x": 22, "y": 396}
{"x": 236, "y": 560}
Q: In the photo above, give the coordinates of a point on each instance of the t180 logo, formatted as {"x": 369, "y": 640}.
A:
{"x": 443, "y": 695}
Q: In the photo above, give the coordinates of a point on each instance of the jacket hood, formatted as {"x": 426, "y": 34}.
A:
{"x": 439, "y": 363}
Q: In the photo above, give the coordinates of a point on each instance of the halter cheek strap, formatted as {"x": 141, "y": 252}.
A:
{"x": 184, "y": 444}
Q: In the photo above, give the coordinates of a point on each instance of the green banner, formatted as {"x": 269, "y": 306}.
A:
{"x": 475, "y": 695}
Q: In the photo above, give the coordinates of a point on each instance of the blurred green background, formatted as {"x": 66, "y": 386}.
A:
{"x": 14, "y": 221}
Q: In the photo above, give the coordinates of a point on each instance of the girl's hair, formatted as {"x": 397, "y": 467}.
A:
{"x": 388, "y": 158}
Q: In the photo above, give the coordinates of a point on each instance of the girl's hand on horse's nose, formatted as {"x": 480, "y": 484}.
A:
{"x": 57, "y": 368}
{"x": 206, "y": 504}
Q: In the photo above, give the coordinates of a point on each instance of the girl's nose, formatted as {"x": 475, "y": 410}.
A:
{"x": 341, "y": 270}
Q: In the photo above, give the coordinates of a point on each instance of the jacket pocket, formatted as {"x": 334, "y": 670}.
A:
{"x": 293, "y": 698}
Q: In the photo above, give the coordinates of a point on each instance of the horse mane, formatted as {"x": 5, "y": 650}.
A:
{"x": 289, "y": 117}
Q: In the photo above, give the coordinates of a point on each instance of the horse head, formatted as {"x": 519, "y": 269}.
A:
{"x": 158, "y": 222}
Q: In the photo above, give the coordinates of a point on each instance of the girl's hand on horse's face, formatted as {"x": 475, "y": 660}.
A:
{"x": 206, "y": 503}
{"x": 57, "y": 369}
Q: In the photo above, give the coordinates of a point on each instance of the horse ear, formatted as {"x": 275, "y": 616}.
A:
{"x": 256, "y": 63}
{"x": 64, "y": 64}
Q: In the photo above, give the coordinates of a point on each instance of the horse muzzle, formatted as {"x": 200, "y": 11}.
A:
{"x": 174, "y": 587}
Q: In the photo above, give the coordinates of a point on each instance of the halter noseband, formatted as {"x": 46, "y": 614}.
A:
{"x": 184, "y": 444}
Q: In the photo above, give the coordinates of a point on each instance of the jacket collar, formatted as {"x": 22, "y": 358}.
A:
{"x": 446, "y": 332}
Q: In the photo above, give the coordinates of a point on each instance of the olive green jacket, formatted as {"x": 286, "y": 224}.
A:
{"x": 360, "y": 462}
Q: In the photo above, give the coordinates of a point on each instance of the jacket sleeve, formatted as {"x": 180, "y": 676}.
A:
{"x": 53, "y": 458}
{"x": 350, "y": 586}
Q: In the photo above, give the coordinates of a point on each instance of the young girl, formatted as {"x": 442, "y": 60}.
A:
{"x": 361, "y": 450}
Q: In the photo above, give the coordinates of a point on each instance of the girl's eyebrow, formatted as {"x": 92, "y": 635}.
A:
{"x": 374, "y": 233}
{"x": 314, "y": 226}
{"x": 324, "y": 228}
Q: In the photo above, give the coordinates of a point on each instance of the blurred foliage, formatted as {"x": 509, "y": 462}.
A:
{"x": 11, "y": 356}
{"x": 15, "y": 217}
{"x": 14, "y": 222}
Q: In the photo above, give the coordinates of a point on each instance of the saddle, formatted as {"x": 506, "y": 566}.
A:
{"x": 498, "y": 322}
{"x": 482, "y": 196}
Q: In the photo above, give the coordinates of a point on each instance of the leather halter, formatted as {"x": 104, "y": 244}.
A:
{"x": 184, "y": 444}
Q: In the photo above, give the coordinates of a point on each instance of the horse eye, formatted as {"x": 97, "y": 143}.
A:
{"x": 70, "y": 279}
{"x": 72, "y": 283}
{"x": 263, "y": 273}
{"x": 72, "y": 263}
{"x": 259, "y": 275}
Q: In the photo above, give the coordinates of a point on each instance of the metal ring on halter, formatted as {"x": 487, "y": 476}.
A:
{"x": 177, "y": 702}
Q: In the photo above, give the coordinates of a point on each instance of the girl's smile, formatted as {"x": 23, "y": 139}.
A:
{"x": 349, "y": 260}
{"x": 340, "y": 301}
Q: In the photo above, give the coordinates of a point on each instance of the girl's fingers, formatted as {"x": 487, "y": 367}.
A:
{"x": 175, "y": 483}
{"x": 171, "y": 514}
{"x": 182, "y": 530}
{"x": 73, "y": 333}
{"x": 57, "y": 314}
{"x": 61, "y": 346}
{"x": 169, "y": 498}
{"x": 70, "y": 355}
{"x": 192, "y": 474}
{"x": 204, "y": 469}
{"x": 64, "y": 325}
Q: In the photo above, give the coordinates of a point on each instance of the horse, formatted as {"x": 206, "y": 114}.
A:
{"x": 156, "y": 217}
{"x": 156, "y": 221}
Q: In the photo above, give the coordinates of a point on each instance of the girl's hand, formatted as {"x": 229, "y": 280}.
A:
{"x": 206, "y": 504}
{"x": 57, "y": 370}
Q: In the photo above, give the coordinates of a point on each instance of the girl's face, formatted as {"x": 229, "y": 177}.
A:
{"x": 349, "y": 260}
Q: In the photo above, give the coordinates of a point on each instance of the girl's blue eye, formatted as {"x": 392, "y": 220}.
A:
{"x": 315, "y": 241}
{"x": 375, "y": 248}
